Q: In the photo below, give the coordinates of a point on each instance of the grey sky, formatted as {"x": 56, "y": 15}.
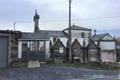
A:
{"x": 54, "y": 14}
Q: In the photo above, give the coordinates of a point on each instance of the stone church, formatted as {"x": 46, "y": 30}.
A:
{"x": 53, "y": 44}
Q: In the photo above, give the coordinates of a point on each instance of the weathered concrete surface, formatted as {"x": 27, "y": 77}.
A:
{"x": 33, "y": 64}
{"x": 57, "y": 73}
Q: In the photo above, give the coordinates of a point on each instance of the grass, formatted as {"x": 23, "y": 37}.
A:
{"x": 95, "y": 66}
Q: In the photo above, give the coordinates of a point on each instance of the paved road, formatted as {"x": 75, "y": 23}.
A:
{"x": 57, "y": 73}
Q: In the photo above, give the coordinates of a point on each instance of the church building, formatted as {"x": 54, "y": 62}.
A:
{"x": 45, "y": 44}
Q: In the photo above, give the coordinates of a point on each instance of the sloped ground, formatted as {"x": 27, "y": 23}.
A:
{"x": 57, "y": 73}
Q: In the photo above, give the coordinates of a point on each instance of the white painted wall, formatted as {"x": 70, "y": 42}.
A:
{"x": 66, "y": 31}
{"x": 96, "y": 43}
{"x": 81, "y": 40}
{"x": 64, "y": 40}
{"x": 107, "y": 45}
{"x": 19, "y": 49}
{"x": 77, "y": 33}
{"x": 51, "y": 38}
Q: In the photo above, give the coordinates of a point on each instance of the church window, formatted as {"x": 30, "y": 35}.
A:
{"x": 83, "y": 35}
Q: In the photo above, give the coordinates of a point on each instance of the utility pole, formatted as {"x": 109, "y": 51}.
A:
{"x": 69, "y": 36}
{"x": 14, "y": 28}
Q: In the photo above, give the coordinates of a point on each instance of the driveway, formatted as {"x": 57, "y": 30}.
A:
{"x": 57, "y": 73}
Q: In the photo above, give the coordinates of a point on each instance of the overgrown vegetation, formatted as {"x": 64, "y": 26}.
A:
{"x": 111, "y": 66}
{"x": 19, "y": 63}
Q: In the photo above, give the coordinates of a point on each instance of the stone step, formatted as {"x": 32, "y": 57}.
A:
{"x": 33, "y": 64}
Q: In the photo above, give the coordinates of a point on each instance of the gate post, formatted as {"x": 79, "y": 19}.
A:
{"x": 19, "y": 49}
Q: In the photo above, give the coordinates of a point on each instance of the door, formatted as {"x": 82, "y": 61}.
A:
{"x": 3, "y": 52}
{"x": 93, "y": 55}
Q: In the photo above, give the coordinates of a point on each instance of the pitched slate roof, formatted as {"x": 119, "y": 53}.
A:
{"x": 82, "y": 42}
{"x": 34, "y": 36}
{"x": 42, "y": 35}
{"x": 98, "y": 37}
{"x": 53, "y": 33}
{"x": 75, "y": 27}
{"x": 57, "y": 42}
{"x": 90, "y": 42}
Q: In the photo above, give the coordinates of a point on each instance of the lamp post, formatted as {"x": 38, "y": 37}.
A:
{"x": 69, "y": 36}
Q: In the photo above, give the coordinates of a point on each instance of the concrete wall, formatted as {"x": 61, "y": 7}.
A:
{"x": 108, "y": 53}
{"x": 108, "y": 56}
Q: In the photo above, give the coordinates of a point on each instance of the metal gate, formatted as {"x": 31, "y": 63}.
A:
{"x": 33, "y": 50}
{"x": 3, "y": 52}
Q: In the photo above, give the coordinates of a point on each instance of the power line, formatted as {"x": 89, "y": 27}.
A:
{"x": 110, "y": 17}
{"x": 98, "y": 18}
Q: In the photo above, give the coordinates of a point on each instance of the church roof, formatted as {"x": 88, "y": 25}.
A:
{"x": 34, "y": 36}
{"x": 53, "y": 33}
{"x": 75, "y": 27}
{"x": 42, "y": 35}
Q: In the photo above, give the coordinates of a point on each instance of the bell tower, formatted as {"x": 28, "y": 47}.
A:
{"x": 36, "y": 21}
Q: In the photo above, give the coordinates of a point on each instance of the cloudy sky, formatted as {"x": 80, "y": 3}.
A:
{"x": 103, "y": 15}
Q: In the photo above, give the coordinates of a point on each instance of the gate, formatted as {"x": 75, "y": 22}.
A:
{"x": 33, "y": 50}
{"x": 3, "y": 52}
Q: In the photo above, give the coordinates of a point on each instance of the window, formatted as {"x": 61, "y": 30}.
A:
{"x": 83, "y": 35}
{"x": 54, "y": 39}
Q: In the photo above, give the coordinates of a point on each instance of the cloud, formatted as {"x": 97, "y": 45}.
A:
{"x": 57, "y": 10}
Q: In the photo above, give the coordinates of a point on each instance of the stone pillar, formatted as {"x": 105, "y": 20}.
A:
{"x": 47, "y": 51}
{"x": 19, "y": 49}
{"x": 9, "y": 50}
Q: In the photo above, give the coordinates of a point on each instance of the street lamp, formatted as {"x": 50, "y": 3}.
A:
{"x": 69, "y": 36}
